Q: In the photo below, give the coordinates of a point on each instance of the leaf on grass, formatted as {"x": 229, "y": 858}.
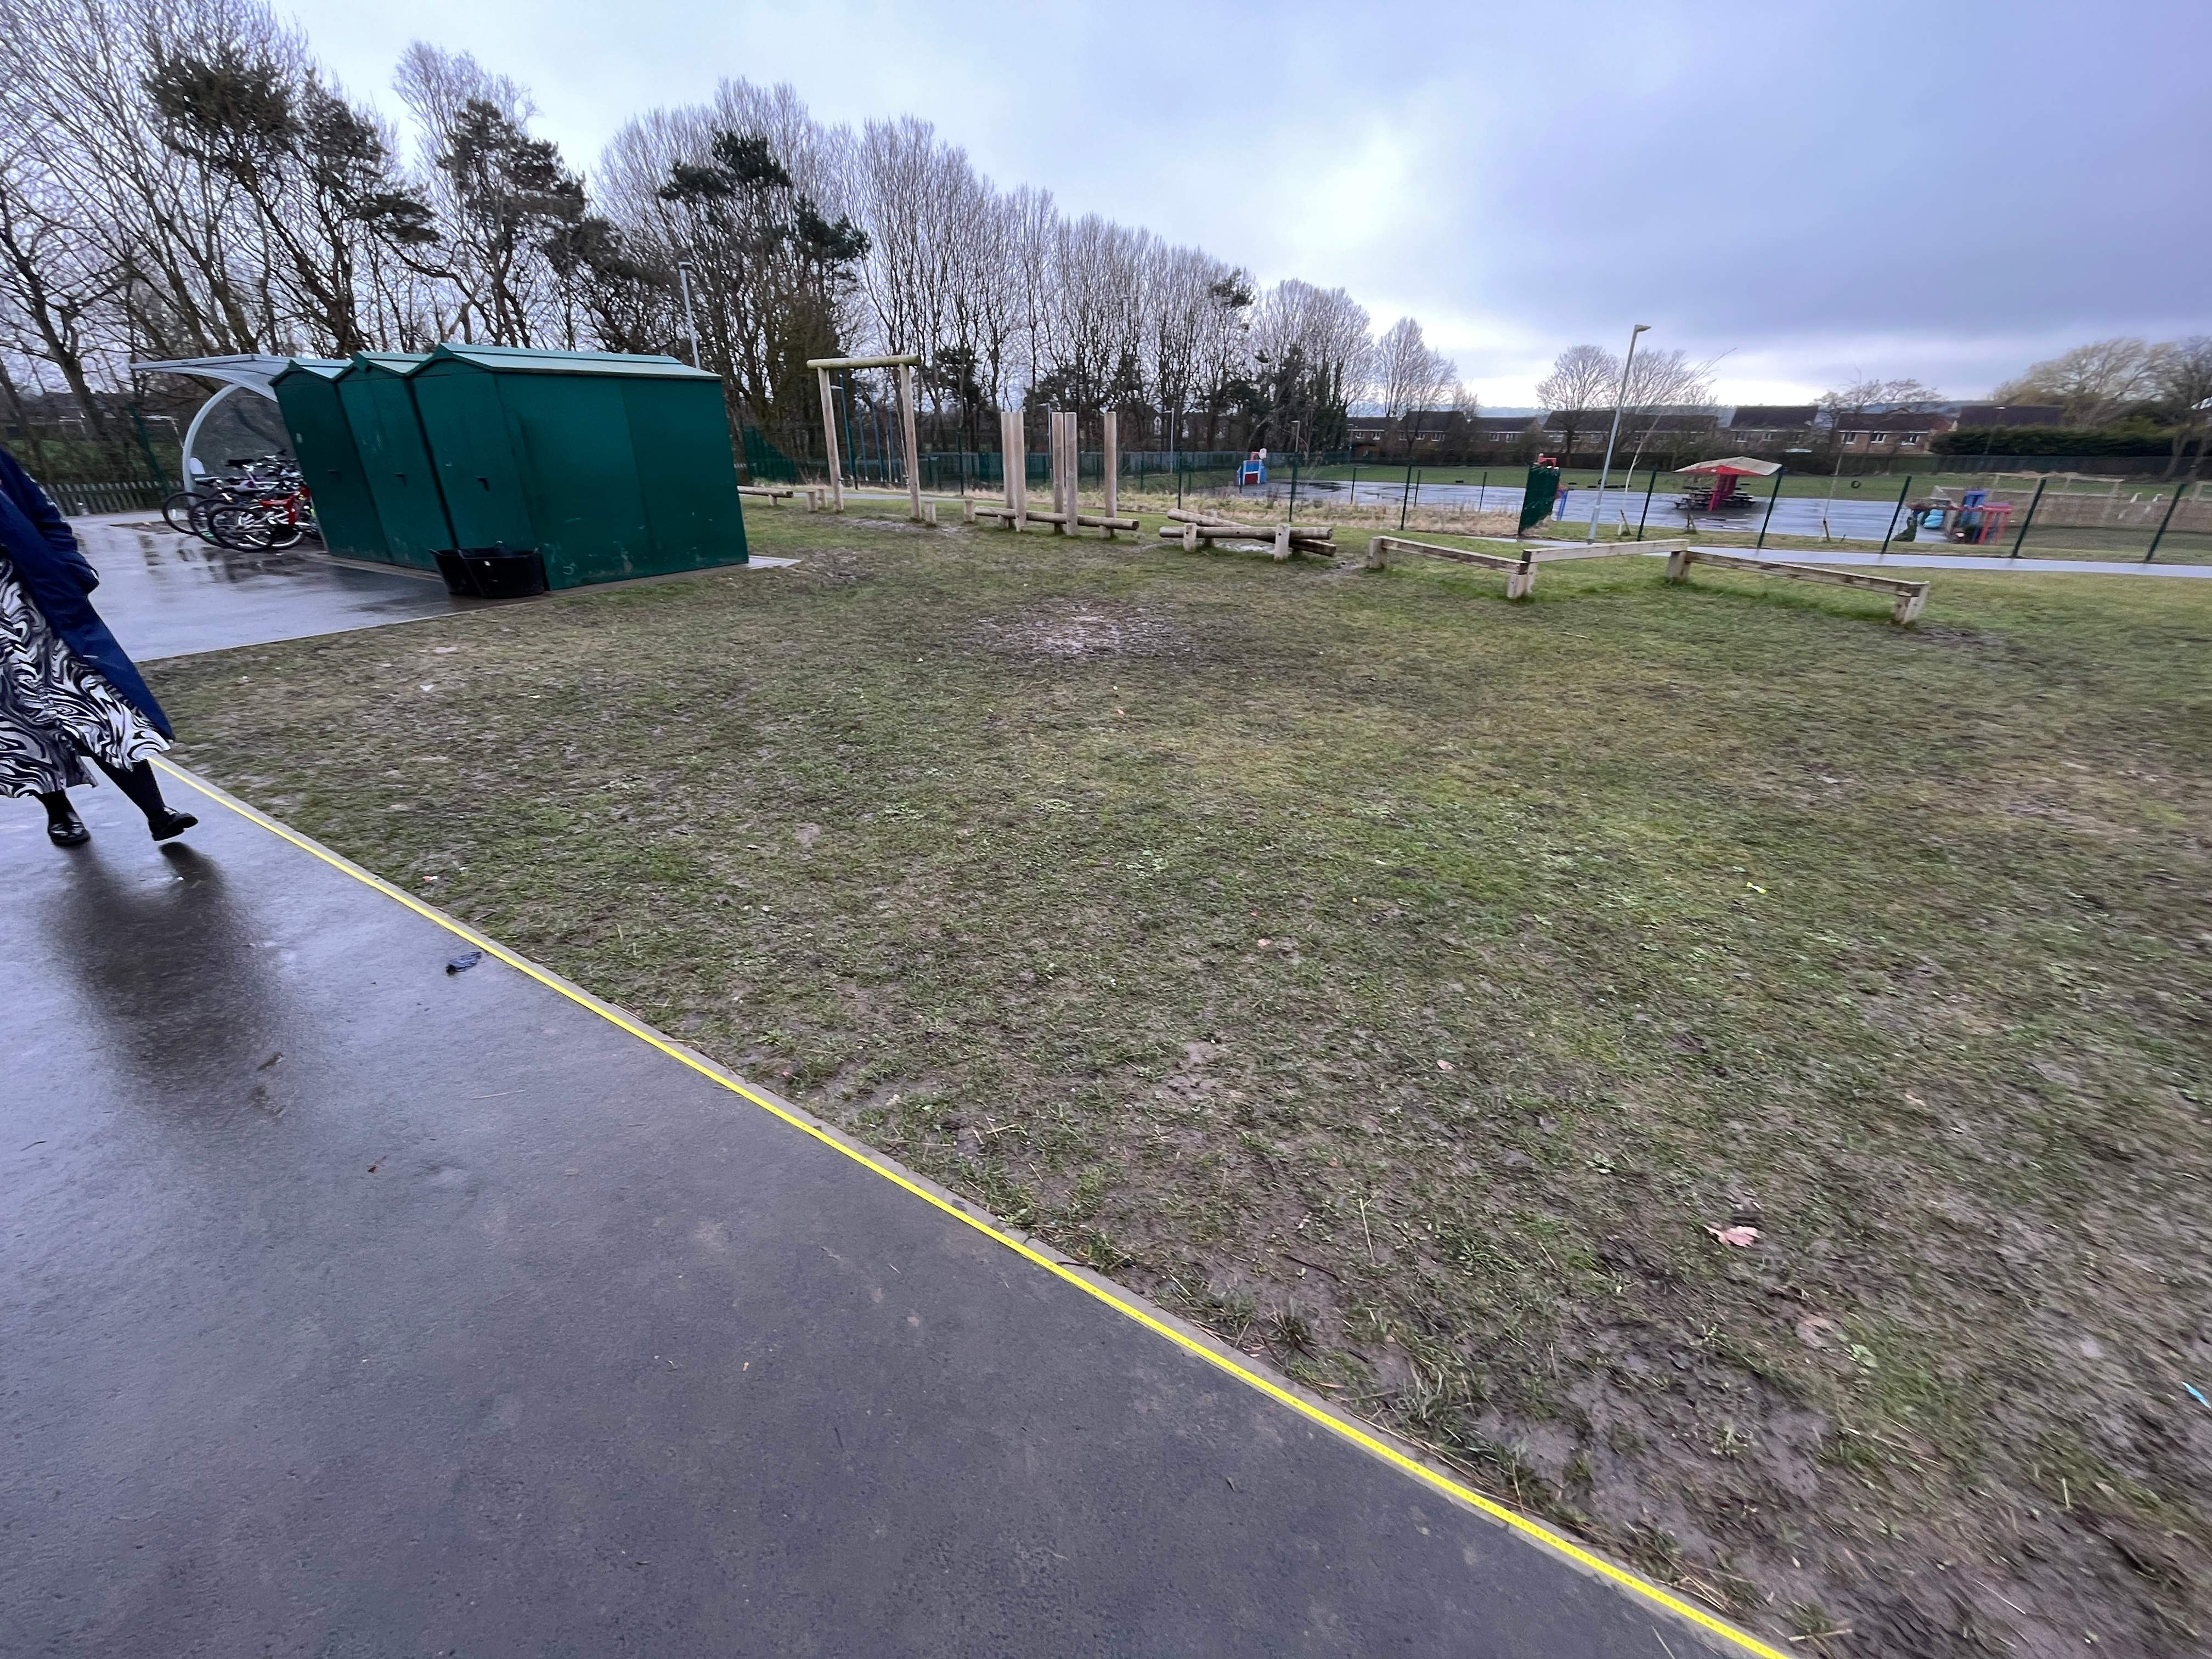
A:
{"x": 1742, "y": 1238}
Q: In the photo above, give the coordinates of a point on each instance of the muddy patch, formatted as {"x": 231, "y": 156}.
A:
{"x": 1071, "y": 630}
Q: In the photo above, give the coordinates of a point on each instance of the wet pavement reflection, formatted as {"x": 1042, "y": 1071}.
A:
{"x": 167, "y": 595}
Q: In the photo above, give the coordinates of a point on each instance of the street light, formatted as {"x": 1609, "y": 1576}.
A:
{"x": 690, "y": 320}
{"x": 1618, "y": 397}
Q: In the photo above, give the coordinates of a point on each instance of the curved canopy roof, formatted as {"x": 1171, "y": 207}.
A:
{"x": 252, "y": 371}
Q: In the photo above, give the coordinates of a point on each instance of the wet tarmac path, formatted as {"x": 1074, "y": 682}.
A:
{"x": 356, "y": 1306}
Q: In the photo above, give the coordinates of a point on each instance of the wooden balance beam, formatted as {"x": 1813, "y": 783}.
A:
{"x": 1192, "y": 528}
{"x": 1909, "y": 597}
{"x": 1519, "y": 566}
{"x": 1033, "y": 515}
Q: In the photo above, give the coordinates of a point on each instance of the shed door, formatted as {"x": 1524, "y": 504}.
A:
{"x": 466, "y": 421}
{"x": 398, "y": 468}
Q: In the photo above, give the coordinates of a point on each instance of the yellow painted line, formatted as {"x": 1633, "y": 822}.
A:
{"x": 1641, "y": 1587}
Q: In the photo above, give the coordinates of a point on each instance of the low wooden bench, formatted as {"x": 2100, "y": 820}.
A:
{"x": 764, "y": 492}
{"x": 1520, "y": 565}
{"x": 1909, "y": 597}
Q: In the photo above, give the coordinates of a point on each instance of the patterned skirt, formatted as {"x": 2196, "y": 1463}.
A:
{"x": 54, "y": 709}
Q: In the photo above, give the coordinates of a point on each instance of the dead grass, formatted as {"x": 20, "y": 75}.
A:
{"x": 1402, "y": 984}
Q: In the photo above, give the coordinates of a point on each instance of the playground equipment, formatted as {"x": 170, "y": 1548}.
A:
{"x": 1717, "y": 491}
{"x": 905, "y": 364}
{"x": 1909, "y": 597}
{"x": 1973, "y": 520}
{"x": 1065, "y": 459}
{"x": 1255, "y": 469}
{"x": 1317, "y": 541}
{"x": 1520, "y": 565}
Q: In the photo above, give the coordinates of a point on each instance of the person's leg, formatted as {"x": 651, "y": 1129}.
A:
{"x": 139, "y": 783}
{"x": 64, "y": 827}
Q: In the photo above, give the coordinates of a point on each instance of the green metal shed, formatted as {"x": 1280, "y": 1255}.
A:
{"x": 378, "y": 402}
{"x": 610, "y": 465}
{"x": 329, "y": 460}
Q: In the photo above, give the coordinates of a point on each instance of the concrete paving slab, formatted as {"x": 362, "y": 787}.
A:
{"x": 359, "y": 1307}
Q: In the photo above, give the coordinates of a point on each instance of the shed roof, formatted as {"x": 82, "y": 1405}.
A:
{"x": 530, "y": 360}
{"x": 329, "y": 367}
{"x": 391, "y": 363}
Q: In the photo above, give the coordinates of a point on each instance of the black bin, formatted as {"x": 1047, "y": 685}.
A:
{"x": 492, "y": 573}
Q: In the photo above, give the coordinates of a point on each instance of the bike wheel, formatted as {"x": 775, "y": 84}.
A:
{"x": 177, "y": 510}
{"x": 240, "y": 528}
{"x": 282, "y": 533}
{"x": 203, "y": 505}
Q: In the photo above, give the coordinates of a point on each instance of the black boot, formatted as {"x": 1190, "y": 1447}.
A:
{"x": 64, "y": 827}
{"x": 145, "y": 791}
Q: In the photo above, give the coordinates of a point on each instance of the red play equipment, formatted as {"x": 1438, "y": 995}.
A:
{"x": 1718, "y": 493}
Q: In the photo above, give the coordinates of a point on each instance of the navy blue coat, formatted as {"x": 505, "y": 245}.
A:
{"x": 43, "y": 549}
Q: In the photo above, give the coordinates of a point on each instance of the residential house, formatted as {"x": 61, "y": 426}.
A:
{"x": 1485, "y": 433}
{"x": 1770, "y": 426}
{"x": 1898, "y": 433}
{"x": 1586, "y": 421}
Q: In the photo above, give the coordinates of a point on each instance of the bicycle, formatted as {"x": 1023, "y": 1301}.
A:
{"x": 246, "y": 512}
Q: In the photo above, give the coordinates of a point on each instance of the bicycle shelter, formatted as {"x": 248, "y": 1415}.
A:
{"x": 329, "y": 460}
{"x": 379, "y": 405}
{"x": 611, "y": 465}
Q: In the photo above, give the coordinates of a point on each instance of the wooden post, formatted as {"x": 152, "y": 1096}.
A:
{"x": 1064, "y": 471}
{"x": 1521, "y": 584}
{"x": 1282, "y": 543}
{"x": 1379, "y": 556}
{"x": 1070, "y": 447}
{"x": 1015, "y": 437}
{"x": 913, "y": 451}
{"x": 1059, "y": 472}
{"x": 829, "y": 442}
{"x": 1113, "y": 465}
{"x": 1678, "y": 564}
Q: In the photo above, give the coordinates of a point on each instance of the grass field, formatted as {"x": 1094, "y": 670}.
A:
{"x": 1408, "y": 986}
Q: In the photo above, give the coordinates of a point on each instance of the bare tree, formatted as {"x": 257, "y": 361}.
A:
{"x": 1583, "y": 381}
{"x": 2181, "y": 381}
{"x": 1872, "y": 392}
{"x": 1185, "y": 293}
{"x": 499, "y": 196}
{"x": 52, "y": 282}
{"x": 2092, "y": 383}
{"x": 1311, "y": 355}
{"x": 1661, "y": 384}
{"x": 1225, "y": 350}
{"x": 1410, "y": 378}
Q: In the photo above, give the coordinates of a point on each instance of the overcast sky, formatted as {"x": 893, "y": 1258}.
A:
{"x": 1944, "y": 189}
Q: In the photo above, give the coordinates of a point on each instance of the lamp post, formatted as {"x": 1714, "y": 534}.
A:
{"x": 691, "y": 319}
{"x": 1618, "y": 397}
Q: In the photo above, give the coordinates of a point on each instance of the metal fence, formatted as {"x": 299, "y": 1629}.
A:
{"x": 113, "y": 495}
